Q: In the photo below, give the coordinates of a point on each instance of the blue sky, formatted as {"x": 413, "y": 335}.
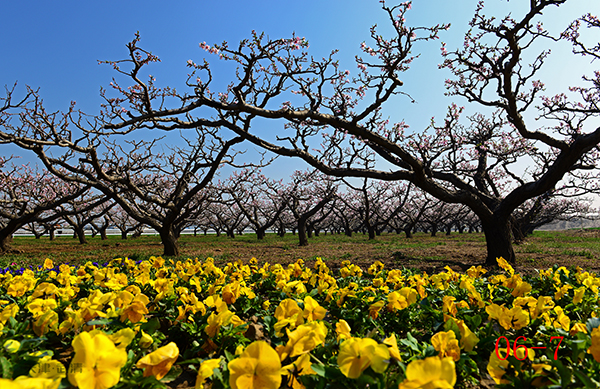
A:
{"x": 55, "y": 45}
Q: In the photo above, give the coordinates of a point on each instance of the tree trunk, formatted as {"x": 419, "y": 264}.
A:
{"x": 408, "y": 232}
{"x": 52, "y": 233}
{"x": 371, "y": 232}
{"x": 302, "y": 238}
{"x": 5, "y": 241}
{"x": 499, "y": 241}
{"x": 433, "y": 230}
{"x": 260, "y": 233}
{"x": 80, "y": 233}
{"x": 123, "y": 235}
{"x": 169, "y": 241}
{"x": 281, "y": 231}
{"x": 103, "y": 234}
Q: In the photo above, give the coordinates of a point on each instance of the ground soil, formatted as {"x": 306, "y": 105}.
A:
{"x": 431, "y": 254}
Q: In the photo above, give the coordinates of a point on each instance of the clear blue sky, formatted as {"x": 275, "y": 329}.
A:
{"x": 55, "y": 45}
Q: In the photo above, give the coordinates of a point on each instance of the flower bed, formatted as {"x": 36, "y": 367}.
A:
{"x": 161, "y": 323}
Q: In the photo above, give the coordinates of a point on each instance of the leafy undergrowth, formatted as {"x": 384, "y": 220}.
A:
{"x": 160, "y": 323}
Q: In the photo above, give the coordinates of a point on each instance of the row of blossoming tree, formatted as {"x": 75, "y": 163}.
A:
{"x": 475, "y": 161}
{"x": 310, "y": 202}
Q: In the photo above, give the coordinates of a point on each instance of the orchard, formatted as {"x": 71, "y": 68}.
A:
{"x": 513, "y": 151}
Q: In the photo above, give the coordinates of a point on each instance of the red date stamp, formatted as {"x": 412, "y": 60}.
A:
{"x": 524, "y": 347}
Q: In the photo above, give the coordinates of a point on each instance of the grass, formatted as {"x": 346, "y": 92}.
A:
{"x": 540, "y": 250}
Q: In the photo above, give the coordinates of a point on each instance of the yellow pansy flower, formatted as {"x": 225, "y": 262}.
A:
{"x": 449, "y": 306}
{"x": 560, "y": 292}
{"x": 595, "y": 347}
{"x": 97, "y": 363}
{"x": 396, "y": 301}
{"x": 258, "y": 367}
{"x": 287, "y": 313}
{"x": 159, "y": 362}
{"x": 432, "y": 372}
{"x": 38, "y": 306}
{"x": 312, "y": 310}
{"x": 446, "y": 344}
{"x": 145, "y": 340}
{"x": 579, "y": 293}
{"x": 301, "y": 366}
{"x": 342, "y": 328}
{"x": 563, "y": 321}
{"x": 505, "y": 265}
{"x": 521, "y": 289}
{"x": 497, "y": 367}
{"x": 375, "y": 308}
{"x": 475, "y": 272}
{"x": 11, "y": 346}
{"x": 20, "y": 285}
{"x": 578, "y": 327}
{"x": 46, "y": 322}
{"x": 303, "y": 339}
{"x": 357, "y": 354}
{"x": 515, "y": 317}
{"x": 206, "y": 370}
{"x": 392, "y": 344}
{"x": 25, "y": 382}
{"x": 48, "y": 368}
{"x": 9, "y": 311}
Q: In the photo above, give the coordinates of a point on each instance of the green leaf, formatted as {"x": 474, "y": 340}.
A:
{"x": 175, "y": 372}
{"x": 476, "y": 321}
{"x": 452, "y": 326}
{"x": 592, "y": 322}
{"x": 151, "y": 326}
{"x": 230, "y": 357}
{"x": 319, "y": 369}
{"x": 190, "y": 361}
{"x": 411, "y": 338}
{"x": 366, "y": 381}
{"x": 6, "y": 368}
{"x": 563, "y": 372}
{"x": 99, "y": 322}
{"x": 585, "y": 379}
{"x": 218, "y": 375}
{"x": 413, "y": 345}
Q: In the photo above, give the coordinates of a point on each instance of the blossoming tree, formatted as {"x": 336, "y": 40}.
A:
{"x": 473, "y": 161}
{"x": 28, "y": 195}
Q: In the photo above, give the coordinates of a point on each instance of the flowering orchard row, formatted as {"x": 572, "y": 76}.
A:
{"x": 153, "y": 323}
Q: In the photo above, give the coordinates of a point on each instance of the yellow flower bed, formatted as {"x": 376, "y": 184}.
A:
{"x": 144, "y": 324}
